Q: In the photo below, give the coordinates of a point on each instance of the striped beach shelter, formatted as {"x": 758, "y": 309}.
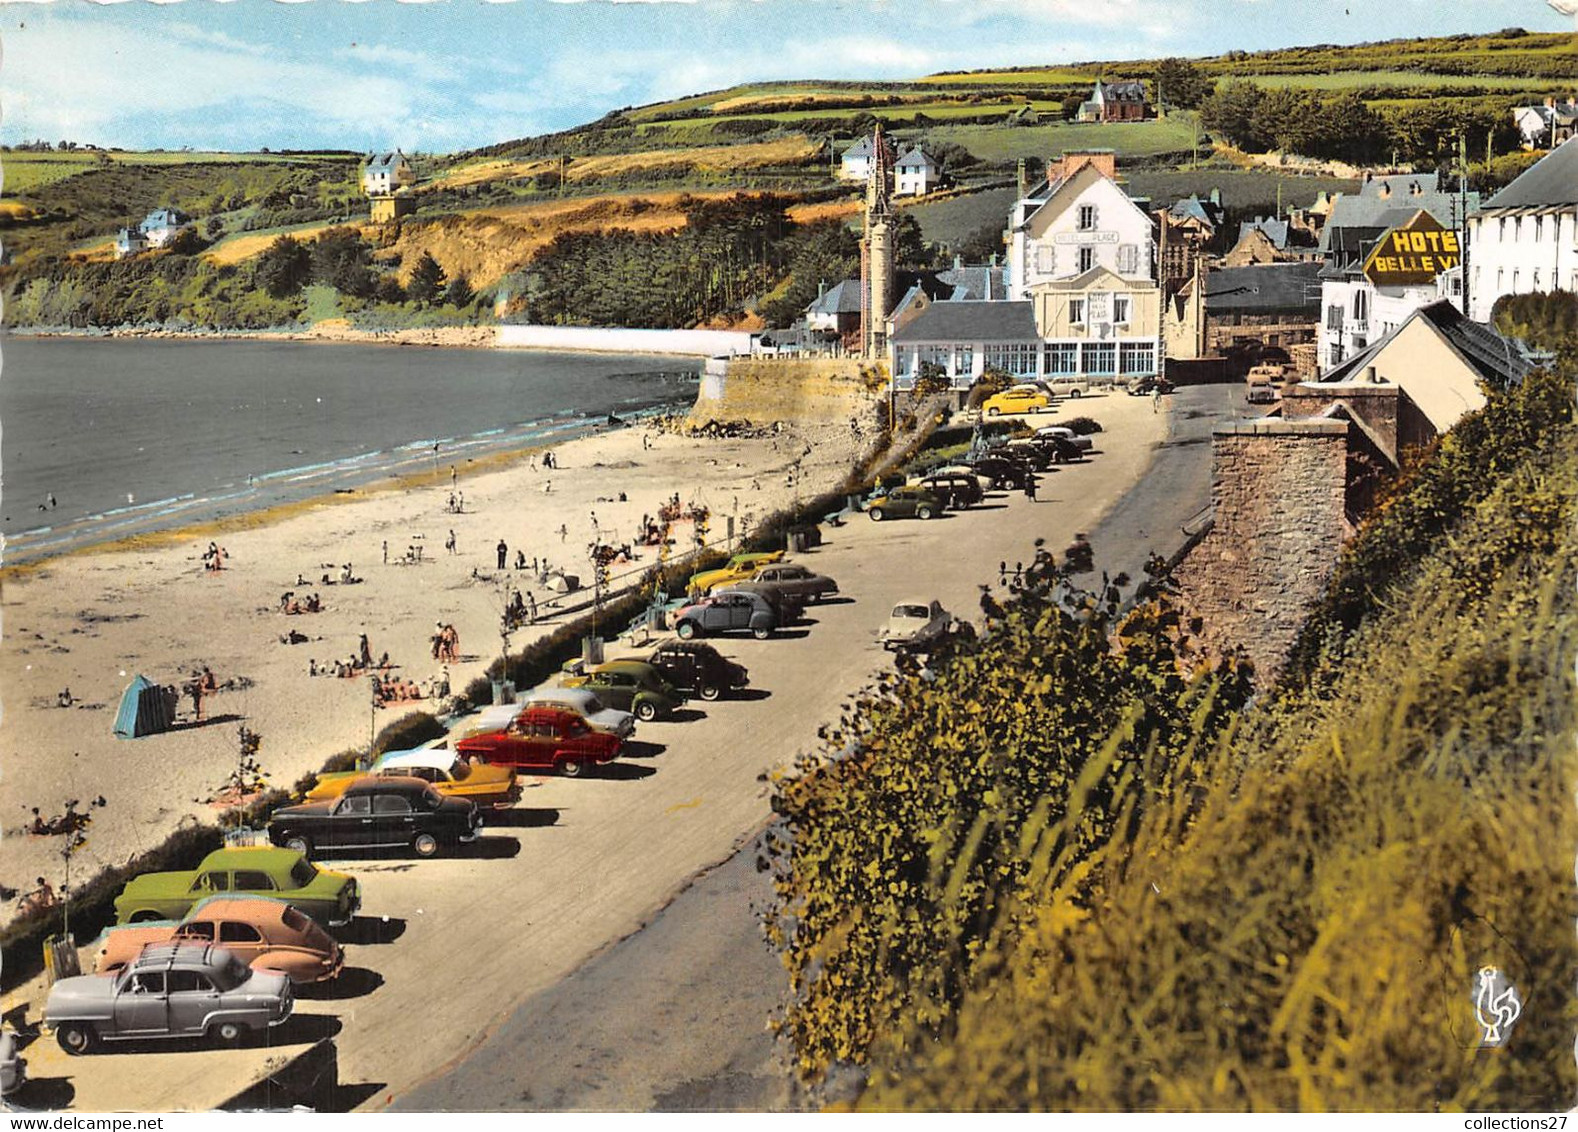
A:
{"x": 144, "y": 710}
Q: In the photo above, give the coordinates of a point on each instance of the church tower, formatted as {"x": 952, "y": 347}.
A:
{"x": 876, "y": 251}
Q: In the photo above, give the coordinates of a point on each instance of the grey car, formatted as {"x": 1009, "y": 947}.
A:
{"x": 13, "y": 1066}
{"x": 171, "y": 990}
{"x": 722, "y": 612}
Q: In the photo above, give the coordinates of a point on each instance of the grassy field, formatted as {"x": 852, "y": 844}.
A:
{"x": 1348, "y": 80}
{"x": 1029, "y": 77}
{"x": 26, "y": 171}
{"x": 1131, "y": 139}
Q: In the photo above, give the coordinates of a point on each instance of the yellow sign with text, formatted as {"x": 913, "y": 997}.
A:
{"x": 1415, "y": 253}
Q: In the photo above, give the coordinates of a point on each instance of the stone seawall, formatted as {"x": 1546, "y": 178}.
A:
{"x": 763, "y": 390}
{"x": 1278, "y": 492}
{"x": 622, "y": 340}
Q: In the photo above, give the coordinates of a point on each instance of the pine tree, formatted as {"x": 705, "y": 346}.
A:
{"x": 427, "y": 280}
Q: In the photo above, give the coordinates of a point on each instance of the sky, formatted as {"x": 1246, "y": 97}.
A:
{"x": 447, "y": 75}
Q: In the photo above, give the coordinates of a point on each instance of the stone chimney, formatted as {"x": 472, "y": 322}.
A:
{"x": 1070, "y": 163}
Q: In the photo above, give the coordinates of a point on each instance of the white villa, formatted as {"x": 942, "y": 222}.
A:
{"x": 916, "y": 173}
{"x": 386, "y": 173}
{"x": 1525, "y": 238}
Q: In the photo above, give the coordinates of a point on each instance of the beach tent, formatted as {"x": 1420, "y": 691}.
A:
{"x": 145, "y": 710}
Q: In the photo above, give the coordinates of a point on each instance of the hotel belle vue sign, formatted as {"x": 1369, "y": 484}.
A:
{"x": 1415, "y": 253}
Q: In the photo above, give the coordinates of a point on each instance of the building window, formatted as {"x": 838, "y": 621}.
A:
{"x": 1120, "y": 309}
{"x": 1062, "y": 357}
{"x": 1499, "y": 273}
{"x": 1539, "y": 230}
{"x": 1076, "y": 311}
{"x": 1128, "y": 259}
{"x": 966, "y": 361}
{"x": 1100, "y": 358}
{"x": 1535, "y": 283}
{"x": 1017, "y": 358}
{"x": 1501, "y": 228}
{"x": 1087, "y": 259}
{"x": 1514, "y": 280}
{"x": 1361, "y": 306}
{"x": 1087, "y": 217}
{"x": 1046, "y": 259}
{"x": 1517, "y": 228}
{"x": 1136, "y": 358}
{"x": 1334, "y": 317}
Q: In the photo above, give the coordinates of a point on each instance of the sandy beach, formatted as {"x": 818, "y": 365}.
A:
{"x": 91, "y": 621}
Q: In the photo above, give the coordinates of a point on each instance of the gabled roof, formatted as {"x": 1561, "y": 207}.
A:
{"x": 972, "y": 322}
{"x": 382, "y": 161}
{"x": 1123, "y": 91}
{"x": 1193, "y": 208}
{"x": 1552, "y": 181}
{"x": 1276, "y": 230}
{"x": 1265, "y": 287}
{"x": 1496, "y": 359}
{"x": 165, "y": 218}
{"x": 1086, "y": 280}
{"x": 1368, "y": 209}
{"x": 918, "y": 158}
{"x": 861, "y": 148}
{"x": 844, "y": 298}
{"x": 976, "y": 281}
{"x": 1054, "y": 187}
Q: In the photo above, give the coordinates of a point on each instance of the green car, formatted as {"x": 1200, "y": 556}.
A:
{"x": 904, "y": 502}
{"x": 631, "y": 685}
{"x": 283, "y": 874}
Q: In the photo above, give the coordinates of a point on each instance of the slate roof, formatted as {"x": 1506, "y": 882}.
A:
{"x": 918, "y": 158}
{"x": 381, "y": 161}
{"x": 972, "y": 322}
{"x": 861, "y": 148}
{"x": 1368, "y": 209}
{"x": 1264, "y": 288}
{"x": 1552, "y": 181}
{"x": 977, "y": 281}
{"x": 1192, "y": 207}
{"x": 1276, "y": 230}
{"x": 844, "y": 298}
{"x": 165, "y": 218}
{"x": 1123, "y": 91}
{"x": 1498, "y": 360}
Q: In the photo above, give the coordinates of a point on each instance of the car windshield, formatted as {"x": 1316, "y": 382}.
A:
{"x": 230, "y": 973}
{"x": 911, "y": 611}
{"x": 432, "y": 798}
{"x": 302, "y": 873}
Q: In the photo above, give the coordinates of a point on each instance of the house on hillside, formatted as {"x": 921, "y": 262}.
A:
{"x": 1185, "y": 232}
{"x": 130, "y": 241}
{"x": 916, "y": 173}
{"x": 835, "y": 308}
{"x": 1115, "y": 102}
{"x": 1525, "y": 239}
{"x": 386, "y": 173}
{"x": 855, "y": 165}
{"x": 1547, "y": 125}
{"x": 160, "y": 226}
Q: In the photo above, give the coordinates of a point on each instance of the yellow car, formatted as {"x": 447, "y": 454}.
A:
{"x": 1015, "y": 401}
{"x": 740, "y": 568}
{"x": 451, "y": 776}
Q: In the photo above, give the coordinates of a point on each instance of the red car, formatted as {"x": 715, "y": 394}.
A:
{"x": 543, "y": 739}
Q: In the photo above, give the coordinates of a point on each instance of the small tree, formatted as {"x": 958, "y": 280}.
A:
{"x": 931, "y": 380}
{"x": 459, "y": 293}
{"x": 1180, "y": 83}
{"x": 992, "y": 380}
{"x": 283, "y": 268}
{"x": 186, "y": 242}
{"x": 427, "y": 280}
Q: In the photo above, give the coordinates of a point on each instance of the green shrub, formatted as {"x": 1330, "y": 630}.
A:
{"x": 1083, "y": 426}
{"x": 410, "y": 730}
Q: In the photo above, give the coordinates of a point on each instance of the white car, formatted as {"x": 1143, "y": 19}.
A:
{"x": 1067, "y": 386}
{"x": 915, "y": 624}
{"x": 584, "y": 703}
{"x": 958, "y": 470}
{"x": 1083, "y": 443}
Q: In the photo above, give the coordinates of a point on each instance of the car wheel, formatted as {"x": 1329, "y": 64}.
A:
{"x": 572, "y": 768}
{"x": 230, "y": 1033}
{"x": 923, "y": 512}
{"x": 992, "y": 412}
{"x": 876, "y": 515}
{"x": 76, "y": 1038}
{"x": 145, "y": 916}
{"x": 761, "y": 632}
{"x": 1073, "y": 392}
{"x": 299, "y": 844}
{"x": 425, "y": 844}
{"x": 685, "y": 630}
{"x": 709, "y": 692}
{"x": 646, "y": 711}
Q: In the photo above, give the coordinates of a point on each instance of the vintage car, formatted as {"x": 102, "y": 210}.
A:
{"x": 1063, "y": 432}
{"x": 13, "y": 1066}
{"x": 268, "y": 935}
{"x": 1145, "y": 386}
{"x": 378, "y": 812}
{"x": 957, "y": 490}
{"x": 585, "y": 703}
{"x": 328, "y": 897}
{"x": 633, "y": 686}
{"x": 1004, "y": 471}
{"x": 544, "y": 739}
{"x": 1066, "y": 385}
{"x": 916, "y": 624}
{"x": 789, "y": 607}
{"x": 727, "y": 612}
{"x": 904, "y": 502}
{"x": 1019, "y": 399}
{"x": 792, "y": 578}
{"x": 451, "y": 777}
{"x": 693, "y": 666}
{"x": 170, "y": 990}
{"x": 736, "y": 569}
{"x": 984, "y": 481}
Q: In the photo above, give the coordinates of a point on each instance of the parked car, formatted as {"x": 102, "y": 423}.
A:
{"x": 1005, "y": 472}
{"x": 330, "y": 898}
{"x": 915, "y": 624}
{"x": 1043, "y": 451}
{"x": 984, "y": 481}
{"x": 542, "y": 738}
{"x": 1082, "y": 442}
{"x": 905, "y": 502}
{"x": 268, "y": 935}
{"x": 633, "y": 686}
{"x": 451, "y": 777}
{"x": 792, "y": 578}
{"x": 1033, "y": 453}
{"x": 1019, "y": 399}
{"x": 1067, "y": 385}
{"x": 586, "y": 703}
{"x": 727, "y": 612}
{"x": 1261, "y": 391}
{"x": 788, "y": 606}
{"x": 378, "y": 812}
{"x": 736, "y": 569}
{"x": 957, "y": 489}
{"x": 170, "y": 990}
{"x": 13, "y": 1066}
{"x": 695, "y": 667}
{"x": 1143, "y": 386}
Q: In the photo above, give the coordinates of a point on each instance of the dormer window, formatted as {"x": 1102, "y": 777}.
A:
{"x": 1087, "y": 217}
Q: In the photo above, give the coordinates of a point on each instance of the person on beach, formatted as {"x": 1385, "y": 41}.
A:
{"x": 504, "y": 553}
{"x": 532, "y": 610}
{"x": 41, "y": 899}
{"x": 386, "y": 552}
{"x": 453, "y": 477}
{"x": 460, "y": 503}
{"x": 64, "y": 699}
{"x": 1030, "y": 486}
{"x": 564, "y": 532}
{"x": 50, "y": 499}
{"x": 450, "y": 506}
{"x": 520, "y": 560}
{"x": 366, "y": 651}
{"x": 312, "y": 666}
{"x": 195, "y": 690}
{"x": 449, "y": 543}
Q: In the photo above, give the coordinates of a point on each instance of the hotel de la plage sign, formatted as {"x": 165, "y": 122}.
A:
{"x": 1085, "y": 238}
{"x": 1415, "y": 253}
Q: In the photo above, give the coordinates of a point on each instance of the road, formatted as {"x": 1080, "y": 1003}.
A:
{"x": 675, "y": 1016}
{"x": 462, "y": 966}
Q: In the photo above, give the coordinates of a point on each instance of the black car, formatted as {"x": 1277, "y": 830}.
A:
{"x": 1141, "y": 386}
{"x": 958, "y": 490}
{"x": 692, "y": 666}
{"x": 378, "y": 812}
{"x": 1004, "y": 471}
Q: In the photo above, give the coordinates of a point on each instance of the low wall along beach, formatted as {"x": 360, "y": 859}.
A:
{"x": 763, "y": 390}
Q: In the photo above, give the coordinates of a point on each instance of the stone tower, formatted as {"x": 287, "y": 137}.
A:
{"x": 876, "y": 251}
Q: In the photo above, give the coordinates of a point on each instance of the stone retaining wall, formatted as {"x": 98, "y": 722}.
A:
{"x": 763, "y": 390}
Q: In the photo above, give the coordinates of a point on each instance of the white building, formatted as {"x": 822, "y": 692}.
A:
{"x": 129, "y": 241}
{"x": 1525, "y": 238}
{"x": 1547, "y": 125}
{"x": 856, "y": 162}
{"x": 1078, "y": 220}
{"x": 385, "y": 173}
{"x": 161, "y": 225}
{"x": 916, "y": 174}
